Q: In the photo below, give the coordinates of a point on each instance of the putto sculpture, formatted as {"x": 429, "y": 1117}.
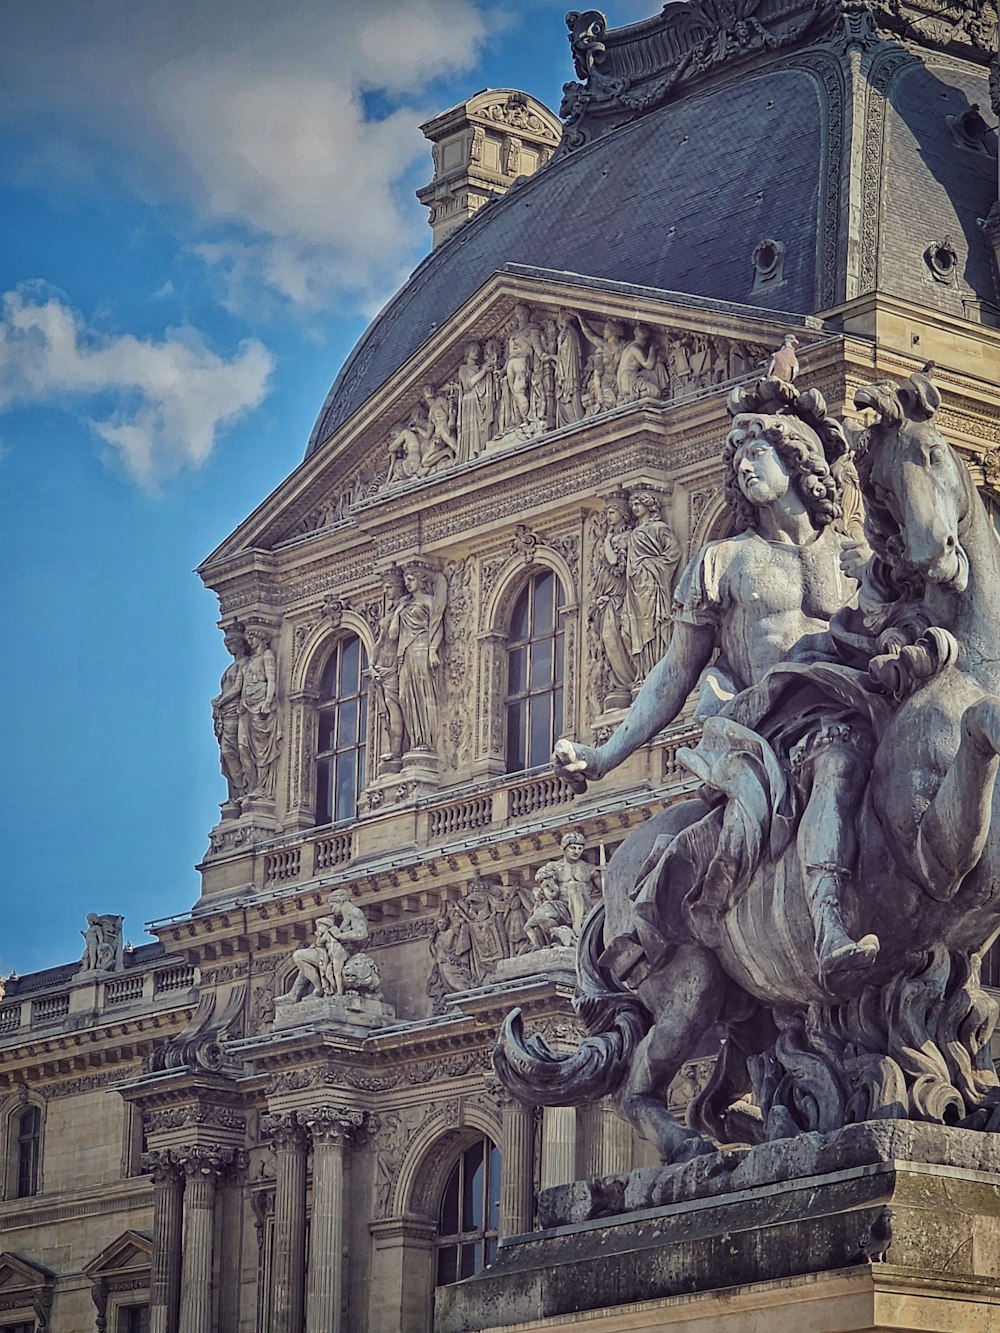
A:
{"x": 827, "y": 895}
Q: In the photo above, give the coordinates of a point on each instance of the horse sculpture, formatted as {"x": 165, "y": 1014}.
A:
{"x": 904, "y": 1030}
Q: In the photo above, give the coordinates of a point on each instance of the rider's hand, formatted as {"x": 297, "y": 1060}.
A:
{"x": 575, "y": 763}
{"x": 854, "y": 559}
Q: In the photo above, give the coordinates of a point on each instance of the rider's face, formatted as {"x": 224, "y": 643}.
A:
{"x": 762, "y": 476}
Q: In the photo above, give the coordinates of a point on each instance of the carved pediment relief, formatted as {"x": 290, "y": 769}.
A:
{"x": 523, "y": 359}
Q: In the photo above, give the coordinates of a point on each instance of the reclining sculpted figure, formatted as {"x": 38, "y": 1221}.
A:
{"x": 807, "y": 910}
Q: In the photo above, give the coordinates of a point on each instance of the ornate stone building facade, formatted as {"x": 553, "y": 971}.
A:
{"x": 283, "y": 1116}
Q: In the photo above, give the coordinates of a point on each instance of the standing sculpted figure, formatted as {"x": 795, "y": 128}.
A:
{"x": 607, "y": 607}
{"x": 385, "y": 666}
{"x": 756, "y": 600}
{"x": 568, "y": 371}
{"x": 579, "y": 881}
{"x": 652, "y": 556}
{"x": 522, "y": 384}
{"x": 416, "y": 626}
{"x": 641, "y": 372}
{"x": 226, "y": 713}
{"x": 259, "y": 727}
{"x": 338, "y": 935}
{"x": 477, "y": 401}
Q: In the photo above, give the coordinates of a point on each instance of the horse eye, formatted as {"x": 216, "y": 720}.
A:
{"x": 937, "y": 456}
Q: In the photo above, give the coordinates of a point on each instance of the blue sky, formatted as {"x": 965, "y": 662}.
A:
{"x": 202, "y": 208}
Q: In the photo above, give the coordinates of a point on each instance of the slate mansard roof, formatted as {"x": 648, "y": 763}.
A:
{"x": 679, "y": 197}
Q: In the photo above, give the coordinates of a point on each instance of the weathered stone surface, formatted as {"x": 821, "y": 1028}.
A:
{"x": 945, "y": 1224}
{"x": 871, "y": 1143}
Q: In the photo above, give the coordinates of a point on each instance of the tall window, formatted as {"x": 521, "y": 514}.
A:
{"x": 470, "y": 1214}
{"x": 343, "y": 732}
{"x": 29, "y": 1142}
{"x": 535, "y": 673}
{"x": 133, "y": 1319}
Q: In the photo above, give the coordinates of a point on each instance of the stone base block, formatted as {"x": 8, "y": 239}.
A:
{"x": 348, "y": 1013}
{"x": 556, "y": 962}
{"x": 773, "y": 1252}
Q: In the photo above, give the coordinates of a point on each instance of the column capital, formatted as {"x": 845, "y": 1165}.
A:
{"x": 283, "y": 1129}
{"x": 328, "y": 1125}
{"x": 162, "y": 1165}
{"x": 205, "y": 1159}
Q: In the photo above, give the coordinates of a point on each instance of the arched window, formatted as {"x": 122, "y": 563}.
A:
{"x": 29, "y": 1143}
{"x": 535, "y": 673}
{"x": 343, "y": 732}
{"x": 469, "y": 1217}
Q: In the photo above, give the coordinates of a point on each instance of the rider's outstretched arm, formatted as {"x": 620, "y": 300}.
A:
{"x": 660, "y": 698}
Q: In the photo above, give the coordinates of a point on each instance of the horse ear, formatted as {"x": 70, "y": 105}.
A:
{"x": 921, "y": 398}
{"x": 885, "y": 399}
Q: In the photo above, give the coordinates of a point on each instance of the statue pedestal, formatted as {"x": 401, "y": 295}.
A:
{"x": 754, "y": 1238}
{"x": 348, "y": 1013}
{"x": 557, "y": 963}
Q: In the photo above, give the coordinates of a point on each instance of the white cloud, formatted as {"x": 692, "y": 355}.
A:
{"x": 295, "y": 125}
{"x": 159, "y": 404}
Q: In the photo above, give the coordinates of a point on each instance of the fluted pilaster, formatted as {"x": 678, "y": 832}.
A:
{"x": 330, "y": 1129}
{"x": 517, "y": 1155}
{"x": 288, "y": 1138}
{"x": 165, "y": 1274}
{"x": 203, "y": 1164}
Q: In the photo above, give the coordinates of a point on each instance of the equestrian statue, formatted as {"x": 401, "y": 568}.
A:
{"x": 826, "y": 897}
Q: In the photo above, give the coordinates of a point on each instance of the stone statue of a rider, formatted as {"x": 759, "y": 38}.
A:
{"x": 744, "y": 604}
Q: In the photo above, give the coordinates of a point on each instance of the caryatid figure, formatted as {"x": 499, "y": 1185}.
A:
{"x": 416, "y": 627}
{"x": 259, "y": 724}
{"x": 385, "y": 666}
{"x": 653, "y": 555}
{"x": 226, "y": 712}
{"x": 607, "y": 613}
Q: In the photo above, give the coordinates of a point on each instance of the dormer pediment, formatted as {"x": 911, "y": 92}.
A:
{"x": 130, "y": 1254}
{"x": 19, "y": 1278}
{"x": 531, "y": 354}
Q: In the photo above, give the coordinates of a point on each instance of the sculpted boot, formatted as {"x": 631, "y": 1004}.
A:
{"x": 836, "y": 952}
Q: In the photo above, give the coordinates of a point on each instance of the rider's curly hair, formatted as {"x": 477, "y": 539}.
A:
{"x": 801, "y": 451}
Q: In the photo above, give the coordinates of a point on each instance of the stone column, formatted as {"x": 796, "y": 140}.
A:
{"x": 289, "y": 1262}
{"x": 517, "y": 1155}
{"x": 558, "y": 1145}
{"x": 607, "y": 1142}
{"x": 165, "y": 1274}
{"x": 203, "y": 1164}
{"x": 330, "y": 1129}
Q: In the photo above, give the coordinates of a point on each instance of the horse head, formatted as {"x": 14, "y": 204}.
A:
{"x": 917, "y": 492}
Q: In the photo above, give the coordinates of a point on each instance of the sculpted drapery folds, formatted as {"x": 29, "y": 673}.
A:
{"x": 651, "y": 560}
{"x": 385, "y": 666}
{"x": 477, "y": 402}
{"x": 226, "y": 712}
{"x": 416, "y": 627}
{"x": 259, "y": 725}
{"x": 607, "y": 606}
{"x": 568, "y": 370}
